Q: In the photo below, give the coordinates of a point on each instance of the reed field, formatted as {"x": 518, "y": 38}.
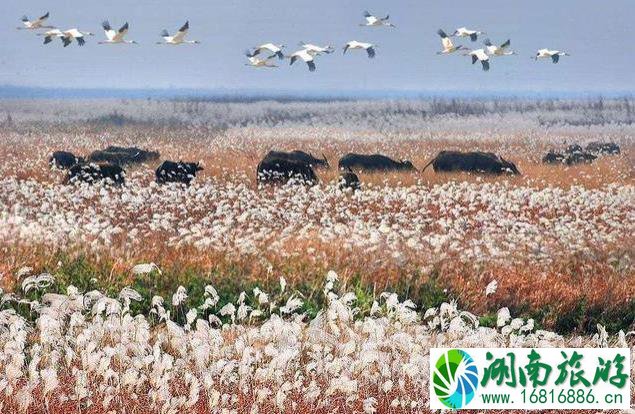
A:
{"x": 229, "y": 296}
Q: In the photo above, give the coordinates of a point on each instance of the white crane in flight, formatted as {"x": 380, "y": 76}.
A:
{"x": 354, "y": 44}
{"x": 178, "y": 38}
{"x": 374, "y": 21}
{"x": 116, "y": 36}
{"x": 36, "y": 23}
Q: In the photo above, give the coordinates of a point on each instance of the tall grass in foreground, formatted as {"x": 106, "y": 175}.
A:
{"x": 90, "y": 353}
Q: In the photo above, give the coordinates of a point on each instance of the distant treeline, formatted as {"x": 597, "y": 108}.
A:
{"x": 352, "y": 114}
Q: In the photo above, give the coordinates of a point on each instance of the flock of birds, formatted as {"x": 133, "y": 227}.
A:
{"x": 263, "y": 56}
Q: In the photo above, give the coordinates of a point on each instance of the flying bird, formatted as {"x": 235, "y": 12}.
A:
{"x": 553, "y": 54}
{"x": 178, "y": 38}
{"x": 318, "y": 50}
{"x": 448, "y": 46}
{"x": 257, "y": 62}
{"x": 269, "y": 47}
{"x": 502, "y": 50}
{"x": 479, "y": 55}
{"x": 115, "y": 36}
{"x": 464, "y": 32}
{"x": 74, "y": 34}
{"x": 50, "y": 34}
{"x": 306, "y": 56}
{"x": 354, "y": 44}
{"x": 374, "y": 21}
{"x": 35, "y": 24}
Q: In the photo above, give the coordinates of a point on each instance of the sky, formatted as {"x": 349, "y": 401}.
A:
{"x": 599, "y": 35}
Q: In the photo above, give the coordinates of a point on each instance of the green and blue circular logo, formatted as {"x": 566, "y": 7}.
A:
{"x": 455, "y": 378}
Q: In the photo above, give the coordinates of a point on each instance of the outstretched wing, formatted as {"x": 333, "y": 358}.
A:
{"x": 345, "y": 48}
{"x": 385, "y": 18}
{"x": 44, "y": 17}
{"x": 119, "y": 35}
{"x": 110, "y": 34}
{"x": 180, "y": 35}
{"x": 124, "y": 29}
{"x": 506, "y": 44}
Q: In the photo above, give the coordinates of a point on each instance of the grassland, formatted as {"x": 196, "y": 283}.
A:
{"x": 557, "y": 242}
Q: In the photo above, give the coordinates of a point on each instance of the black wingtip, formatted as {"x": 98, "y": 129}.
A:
{"x": 106, "y": 25}
{"x": 441, "y": 33}
{"x": 473, "y": 36}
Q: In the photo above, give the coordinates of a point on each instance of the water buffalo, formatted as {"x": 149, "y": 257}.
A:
{"x": 91, "y": 173}
{"x": 64, "y": 160}
{"x": 281, "y": 170}
{"x": 300, "y": 156}
{"x": 177, "y": 172}
{"x": 348, "y": 179}
{"x": 553, "y": 158}
{"x": 373, "y": 163}
{"x": 579, "y": 158}
{"x": 574, "y": 149}
{"x": 603, "y": 148}
{"x": 481, "y": 162}
{"x": 573, "y": 155}
{"x": 123, "y": 155}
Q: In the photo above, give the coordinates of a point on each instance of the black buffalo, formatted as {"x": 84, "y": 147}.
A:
{"x": 603, "y": 148}
{"x": 300, "y": 156}
{"x": 177, "y": 172}
{"x": 553, "y": 158}
{"x": 373, "y": 163}
{"x": 348, "y": 179}
{"x": 579, "y": 158}
{"x": 481, "y": 162}
{"x": 574, "y": 149}
{"x": 281, "y": 170}
{"x": 573, "y": 155}
{"x": 64, "y": 159}
{"x": 92, "y": 173}
{"x": 123, "y": 155}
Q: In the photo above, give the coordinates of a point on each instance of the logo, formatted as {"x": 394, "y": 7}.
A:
{"x": 455, "y": 378}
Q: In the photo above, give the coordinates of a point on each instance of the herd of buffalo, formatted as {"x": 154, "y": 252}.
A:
{"x": 280, "y": 167}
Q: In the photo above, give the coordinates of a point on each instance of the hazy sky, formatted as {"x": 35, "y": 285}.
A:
{"x": 600, "y": 36}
